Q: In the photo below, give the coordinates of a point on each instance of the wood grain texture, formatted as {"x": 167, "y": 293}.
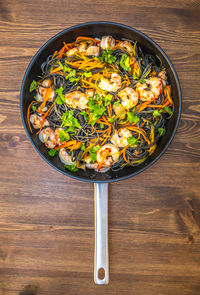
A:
{"x": 46, "y": 219}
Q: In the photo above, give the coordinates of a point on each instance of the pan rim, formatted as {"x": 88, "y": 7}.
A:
{"x": 165, "y": 57}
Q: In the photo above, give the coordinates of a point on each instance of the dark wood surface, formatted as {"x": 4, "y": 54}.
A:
{"x": 46, "y": 219}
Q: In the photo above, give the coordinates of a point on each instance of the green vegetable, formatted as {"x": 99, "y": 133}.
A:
{"x": 71, "y": 168}
{"x": 87, "y": 74}
{"x": 68, "y": 120}
{"x": 61, "y": 97}
{"x": 83, "y": 146}
{"x": 96, "y": 110}
{"x": 168, "y": 110}
{"x": 147, "y": 73}
{"x": 161, "y": 131}
{"x": 116, "y": 103}
{"x": 33, "y": 86}
{"x": 132, "y": 141}
{"x": 61, "y": 66}
{"x": 64, "y": 136}
{"x": 97, "y": 96}
{"x": 132, "y": 118}
{"x": 157, "y": 113}
{"x": 33, "y": 108}
{"x": 142, "y": 81}
{"x": 107, "y": 99}
{"x": 52, "y": 152}
{"x": 93, "y": 151}
{"x": 72, "y": 76}
{"x": 107, "y": 56}
{"x": 101, "y": 125}
{"x": 125, "y": 62}
{"x": 85, "y": 115}
{"x": 136, "y": 76}
{"x": 111, "y": 120}
{"x": 67, "y": 69}
{"x": 72, "y": 79}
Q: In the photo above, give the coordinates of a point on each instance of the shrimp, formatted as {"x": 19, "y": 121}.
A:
{"x": 107, "y": 155}
{"x": 82, "y": 48}
{"x": 57, "y": 137}
{"x": 90, "y": 92}
{"x": 129, "y": 97}
{"x": 42, "y": 91}
{"x": 111, "y": 85}
{"x": 72, "y": 51}
{"x": 149, "y": 90}
{"x": 37, "y": 121}
{"x": 47, "y": 136}
{"x": 94, "y": 166}
{"x": 76, "y": 99}
{"x": 92, "y": 50}
{"x": 125, "y": 45}
{"x": 107, "y": 42}
{"x": 65, "y": 158}
{"x": 163, "y": 76}
{"x": 120, "y": 137}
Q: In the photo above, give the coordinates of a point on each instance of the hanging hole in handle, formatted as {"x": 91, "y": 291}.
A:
{"x": 101, "y": 273}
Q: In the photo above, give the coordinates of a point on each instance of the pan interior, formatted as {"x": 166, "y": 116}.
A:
{"x": 100, "y": 29}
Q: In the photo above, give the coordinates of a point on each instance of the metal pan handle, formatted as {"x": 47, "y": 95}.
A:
{"x": 101, "y": 259}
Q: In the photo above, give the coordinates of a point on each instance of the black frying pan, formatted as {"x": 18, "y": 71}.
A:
{"x": 118, "y": 31}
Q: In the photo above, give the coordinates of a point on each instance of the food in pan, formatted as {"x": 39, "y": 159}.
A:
{"x": 100, "y": 104}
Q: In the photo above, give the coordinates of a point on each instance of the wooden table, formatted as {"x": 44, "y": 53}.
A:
{"x": 46, "y": 218}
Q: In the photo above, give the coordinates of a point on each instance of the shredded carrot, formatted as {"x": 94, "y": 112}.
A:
{"x": 106, "y": 135}
{"x": 124, "y": 155}
{"x": 46, "y": 96}
{"x": 44, "y": 117}
{"x": 55, "y": 70}
{"x": 76, "y": 146}
{"x": 167, "y": 92}
{"x": 142, "y": 106}
{"x": 28, "y": 115}
{"x": 67, "y": 144}
{"x": 152, "y": 149}
{"x": 62, "y": 50}
{"x": 87, "y": 38}
{"x": 132, "y": 60}
{"x": 137, "y": 130}
{"x": 127, "y": 80}
{"x": 55, "y": 52}
{"x": 109, "y": 110}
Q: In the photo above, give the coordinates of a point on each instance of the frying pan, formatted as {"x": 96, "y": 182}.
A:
{"x": 101, "y": 180}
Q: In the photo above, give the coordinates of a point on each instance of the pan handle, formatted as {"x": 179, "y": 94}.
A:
{"x": 101, "y": 259}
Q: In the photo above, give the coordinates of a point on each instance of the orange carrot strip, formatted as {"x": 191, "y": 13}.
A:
{"x": 109, "y": 111}
{"x": 44, "y": 117}
{"x": 55, "y": 70}
{"x": 87, "y": 38}
{"x": 143, "y": 106}
{"x": 124, "y": 155}
{"x": 28, "y": 115}
{"x": 76, "y": 146}
{"x": 167, "y": 92}
{"x": 140, "y": 132}
{"x": 55, "y": 52}
{"x": 47, "y": 94}
{"x": 67, "y": 144}
{"x": 62, "y": 50}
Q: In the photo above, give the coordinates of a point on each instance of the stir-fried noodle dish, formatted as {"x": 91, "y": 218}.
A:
{"x": 100, "y": 104}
